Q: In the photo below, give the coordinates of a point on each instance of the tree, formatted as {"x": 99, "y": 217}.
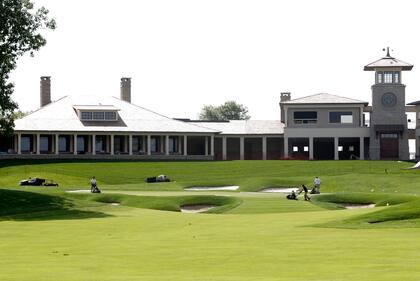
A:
{"x": 20, "y": 27}
{"x": 19, "y": 114}
{"x": 230, "y": 110}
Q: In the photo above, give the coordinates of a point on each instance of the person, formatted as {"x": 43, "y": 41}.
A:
{"x": 92, "y": 184}
{"x": 292, "y": 196}
{"x": 305, "y": 195}
{"x": 317, "y": 185}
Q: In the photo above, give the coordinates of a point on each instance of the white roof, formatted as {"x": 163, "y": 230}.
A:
{"x": 60, "y": 116}
{"x": 246, "y": 127}
{"x": 324, "y": 98}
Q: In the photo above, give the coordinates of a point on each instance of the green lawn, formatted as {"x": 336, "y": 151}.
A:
{"x": 50, "y": 234}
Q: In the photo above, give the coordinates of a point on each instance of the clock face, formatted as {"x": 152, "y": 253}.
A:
{"x": 389, "y": 100}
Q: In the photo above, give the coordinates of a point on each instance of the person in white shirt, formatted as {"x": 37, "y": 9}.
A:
{"x": 317, "y": 185}
{"x": 92, "y": 184}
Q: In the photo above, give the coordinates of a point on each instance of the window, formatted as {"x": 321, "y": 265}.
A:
{"x": 388, "y": 77}
{"x": 110, "y": 115}
{"x": 389, "y": 136}
{"x": 44, "y": 144}
{"x": 26, "y": 144}
{"x": 379, "y": 78}
{"x": 86, "y": 115}
{"x": 63, "y": 144}
{"x": 305, "y": 117}
{"x": 98, "y": 115}
{"x": 341, "y": 117}
{"x": 396, "y": 77}
{"x": 173, "y": 144}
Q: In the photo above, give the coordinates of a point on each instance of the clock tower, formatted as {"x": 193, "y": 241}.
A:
{"x": 388, "y": 120}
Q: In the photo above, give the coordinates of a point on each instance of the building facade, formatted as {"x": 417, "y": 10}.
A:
{"x": 321, "y": 126}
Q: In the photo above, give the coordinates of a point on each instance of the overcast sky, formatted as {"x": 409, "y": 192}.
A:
{"x": 182, "y": 55}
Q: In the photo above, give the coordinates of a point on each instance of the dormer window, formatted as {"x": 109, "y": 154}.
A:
{"x": 97, "y": 112}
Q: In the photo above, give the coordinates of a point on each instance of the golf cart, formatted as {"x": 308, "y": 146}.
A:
{"x": 37, "y": 182}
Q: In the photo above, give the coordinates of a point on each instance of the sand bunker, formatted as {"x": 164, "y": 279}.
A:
{"x": 358, "y": 206}
{"x": 79, "y": 191}
{"x": 114, "y": 204}
{"x": 280, "y": 189}
{"x": 209, "y": 188}
{"x": 196, "y": 208}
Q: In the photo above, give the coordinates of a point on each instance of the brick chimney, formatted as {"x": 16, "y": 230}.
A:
{"x": 125, "y": 94}
{"x": 45, "y": 90}
{"x": 285, "y": 96}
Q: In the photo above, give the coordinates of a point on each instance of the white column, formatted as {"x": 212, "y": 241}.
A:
{"x": 167, "y": 144}
{"x": 38, "y": 143}
{"x": 206, "y": 144}
{"x": 212, "y": 145}
{"x": 130, "y": 144}
{"x": 75, "y": 144}
{"x": 241, "y": 148}
{"x": 362, "y": 148}
{"x": 224, "y": 148}
{"x": 335, "y": 148}
{"x": 264, "y": 148}
{"x": 286, "y": 147}
{"x": 185, "y": 145}
{"x": 311, "y": 148}
{"x": 149, "y": 145}
{"x": 57, "y": 150}
{"x": 93, "y": 144}
{"x": 19, "y": 144}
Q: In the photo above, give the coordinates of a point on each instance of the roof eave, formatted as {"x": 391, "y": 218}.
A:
{"x": 374, "y": 68}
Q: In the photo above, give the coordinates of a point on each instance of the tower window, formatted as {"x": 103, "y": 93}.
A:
{"x": 396, "y": 77}
{"x": 379, "y": 78}
{"x": 388, "y": 77}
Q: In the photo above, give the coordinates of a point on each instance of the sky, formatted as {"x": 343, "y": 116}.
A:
{"x": 182, "y": 55}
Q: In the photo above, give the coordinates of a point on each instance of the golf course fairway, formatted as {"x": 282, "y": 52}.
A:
{"x": 135, "y": 231}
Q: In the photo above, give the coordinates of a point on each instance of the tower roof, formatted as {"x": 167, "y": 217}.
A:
{"x": 387, "y": 62}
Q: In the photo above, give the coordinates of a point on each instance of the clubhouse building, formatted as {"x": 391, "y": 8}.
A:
{"x": 320, "y": 126}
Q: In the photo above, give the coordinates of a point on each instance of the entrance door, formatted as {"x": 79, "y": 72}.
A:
{"x": 389, "y": 146}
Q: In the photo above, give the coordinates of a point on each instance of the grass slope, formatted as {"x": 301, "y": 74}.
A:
{"x": 337, "y": 176}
